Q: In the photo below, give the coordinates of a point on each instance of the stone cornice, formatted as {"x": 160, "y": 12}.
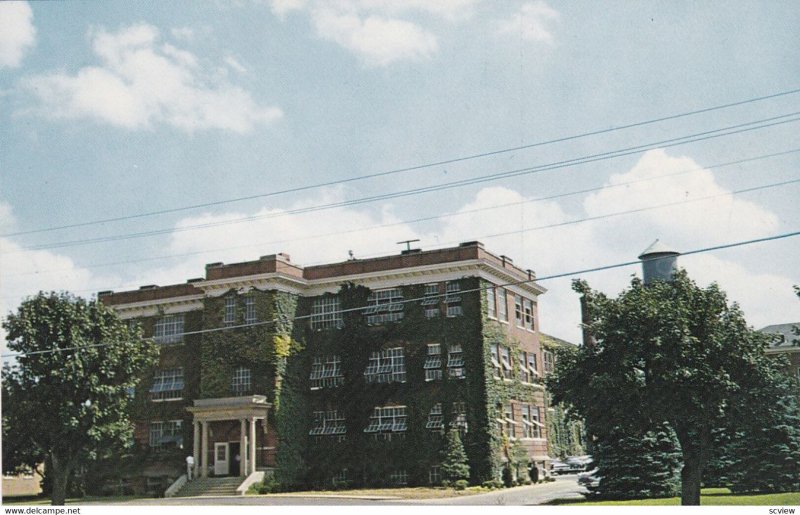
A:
{"x": 167, "y": 306}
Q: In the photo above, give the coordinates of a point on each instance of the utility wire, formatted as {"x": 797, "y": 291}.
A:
{"x": 428, "y": 218}
{"x": 472, "y": 290}
{"x": 410, "y": 168}
{"x": 734, "y": 129}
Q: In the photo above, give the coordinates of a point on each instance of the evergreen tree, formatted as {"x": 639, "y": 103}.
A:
{"x": 454, "y": 460}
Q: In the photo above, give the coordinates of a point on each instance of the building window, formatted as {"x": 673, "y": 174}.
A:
{"x": 491, "y": 308}
{"x": 505, "y": 361}
{"x": 459, "y": 420}
{"x": 494, "y": 355}
{"x": 502, "y": 304}
{"x": 388, "y": 422}
{"x": 399, "y": 477}
{"x": 167, "y": 385}
{"x": 241, "y": 383}
{"x": 165, "y": 434}
{"x": 435, "y": 475}
{"x": 431, "y": 300}
{"x": 384, "y": 306}
{"x": 510, "y": 423}
{"x": 453, "y": 299}
{"x": 531, "y": 422}
{"x": 386, "y": 366}
{"x": 325, "y": 313}
{"x": 533, "y": 366}
{"x": 433, "y": 362}
{"x": 549, "y": 361}
{"x": 230, "y": 310}
{"x": 326, "y": 372}
{"x": 329, "y": 422}
{"x": 250, "y": 316}
{"x": 435, "y": 418}
{"x": 528, "y": 307}
{"x": 168, "y": 329}
{"x": 518, "y": 311}
{"x": 455, "y": 361}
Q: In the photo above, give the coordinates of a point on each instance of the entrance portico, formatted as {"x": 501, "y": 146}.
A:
{"x": 247, "y": 410}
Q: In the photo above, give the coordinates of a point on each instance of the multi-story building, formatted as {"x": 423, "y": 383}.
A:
{"x": 785, "y": 342}
{"x": 344, "y": 372}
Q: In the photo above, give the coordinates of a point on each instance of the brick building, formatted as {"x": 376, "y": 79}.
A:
{"x": 345, "y": 372}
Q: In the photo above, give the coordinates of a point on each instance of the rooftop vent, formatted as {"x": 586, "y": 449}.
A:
{"x": 149, "y": 287}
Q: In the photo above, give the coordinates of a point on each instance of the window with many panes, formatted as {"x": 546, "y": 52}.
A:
{"x": 166, "y": 433}
{"x": 494, "y": 355}
{"x": 435, "y": 418}
{"x": 518, "y": 317}
{"x": 326, "y": 312}
{"x": 435, "y": 475}
{"x": 533, "y": 366}
{"x": 167, "y": 385}
{"x": 459, "y": 417}
{"x": 241, "y": 382}
{"x": 531, "y": 422}
{"x": 399, "y": 477}
{"x": 455, "y": 361}
{"x": 386, "y": 366}
{"x": 388, "y": 422}
{"x": 230, "y": 310}
{"x": 330, "y": 422}
{"x": 453, "y": 299}
{"x": 250, "y": 316}
{"x": 433, "y": 362}
{"x": 502, "y": 304}
{"x": 527, "y": 305}
{"x": 527, "y": 367}
{"x": 549, "y": 361}
{"x": 491, "y": 307}
{"x": 431, "y": 300}
{"x": 510, "y": 423}
{"x": 505, "y": 361}
{"x": 326, "y": 372}
{"x": 168, "y": 329}
{"x": 384, "y": 306}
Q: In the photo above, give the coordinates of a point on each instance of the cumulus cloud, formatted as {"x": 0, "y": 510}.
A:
{"x": 532, "y": 22}
{"x": 17, "y": 33}
{"x": 142, "y": 82}
{"x": 379, "y": 32}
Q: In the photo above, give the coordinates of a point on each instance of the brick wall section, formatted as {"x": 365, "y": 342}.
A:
{"x": 149, "y": 293}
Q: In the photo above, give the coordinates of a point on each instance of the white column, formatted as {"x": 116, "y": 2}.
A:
{"x": 204, "y": 451}
{"x": 242, "y": 447}
{"x": 196, "y": 449}
{"x": 252, "y": 463}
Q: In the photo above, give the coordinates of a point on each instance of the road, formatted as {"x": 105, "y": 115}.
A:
{"x": 563, "y": 487}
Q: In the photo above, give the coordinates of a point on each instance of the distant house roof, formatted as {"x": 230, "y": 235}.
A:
{"x": 546, "y": 338}
{"x": 785, "y": 335}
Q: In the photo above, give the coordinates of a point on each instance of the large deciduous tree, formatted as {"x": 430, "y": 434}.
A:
{"x": 664, "y": 352}
{"x": 65, "y": 398}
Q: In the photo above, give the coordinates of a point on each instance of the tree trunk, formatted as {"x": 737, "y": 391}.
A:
{"x": 691, "y": 475}
{"x": 60, "y": 472}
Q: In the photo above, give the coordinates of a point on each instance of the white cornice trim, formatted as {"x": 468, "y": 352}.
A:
{"x": 266, "y": 281}
{"x": 169, "y": 306}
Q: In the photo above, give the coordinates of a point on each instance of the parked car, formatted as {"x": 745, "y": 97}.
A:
{"x": 578, "y": 463}
{"x": 559, "y": 467}
{"x": 589, "y": 478}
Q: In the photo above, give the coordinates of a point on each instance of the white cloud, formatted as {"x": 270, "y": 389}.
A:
{"x": 17, "y": 33}
{"x": 142, "y": 82}
{"x": 532, "y": 22}
{"x": 235, "y": 65}
{"x": 378, "y": 40}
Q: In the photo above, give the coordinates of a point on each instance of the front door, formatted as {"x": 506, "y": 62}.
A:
{"x": 221, "y": 459}
{"x": 236, "y": 457}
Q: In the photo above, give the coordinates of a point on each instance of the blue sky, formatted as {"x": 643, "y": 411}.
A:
{"x": 110, "y": 109}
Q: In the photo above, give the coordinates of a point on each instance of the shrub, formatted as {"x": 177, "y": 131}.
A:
{"x": 461, "y": 484}
{"x": 492, "y": 484}
{"x": 508, "y": 479}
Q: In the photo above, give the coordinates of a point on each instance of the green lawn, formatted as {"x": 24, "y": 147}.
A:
{"x": 708, "y": 497}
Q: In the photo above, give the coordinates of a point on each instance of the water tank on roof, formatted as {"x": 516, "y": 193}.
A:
{"x": 659, "y": 262}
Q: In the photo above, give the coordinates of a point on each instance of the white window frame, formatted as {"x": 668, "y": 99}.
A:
{"x": 328, "y": 423}
{"x": 386, "y": 366}
{"x": 167, "y": 385}
{"x": 250, "y": 315}
{"x": 502, "y": 304}
{"x": 160, "y": 429}
{"x": 229, "y": 317}
{"x": 241, "y": 381}
{"x": 431, "y": 300}
{"x": 326, "y": 313}
{"x": 491, "y": 303}
{"x": 519, "y": 317}
{"x": 527, "y": 306}
{"x": 433, "y": 362}
{"x": 459, "y": 417}
{"x": 326, "y": 372}
{"x": 168, "y": 330}
{"x": 388, "y": 420}
{"x": 435, "y": 475}
{"x": 435, "y": 418}
{"x": 384, "y": 306}
{"x": 455, "y": 361}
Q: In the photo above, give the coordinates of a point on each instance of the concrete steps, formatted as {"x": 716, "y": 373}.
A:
{"x": 211, "y": 487}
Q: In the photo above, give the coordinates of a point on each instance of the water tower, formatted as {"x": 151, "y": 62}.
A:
{"x": 659, "y": 262}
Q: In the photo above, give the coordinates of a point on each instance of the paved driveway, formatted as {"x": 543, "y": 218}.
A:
{"x": 563, "y": 487}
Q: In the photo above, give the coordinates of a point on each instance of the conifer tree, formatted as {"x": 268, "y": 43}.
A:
{"x": 454, "y": 459}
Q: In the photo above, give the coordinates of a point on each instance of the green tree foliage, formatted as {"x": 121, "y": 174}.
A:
{"x": 637, "y": 466}
{"x": 71, "y": 405}
{"x": 454, "y": 460}
{"x": 667, "y": 352}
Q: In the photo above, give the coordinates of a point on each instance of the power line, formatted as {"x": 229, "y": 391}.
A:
{"x": 429, "y": 218}
{"x": 472, "y": 290}
{"x": 701, "y": 136}
{"x": 410, "y": 168}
